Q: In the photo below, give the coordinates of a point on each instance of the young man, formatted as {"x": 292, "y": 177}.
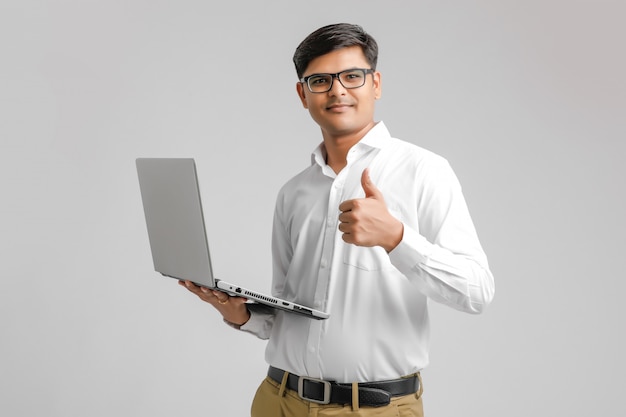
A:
{"x": 371, "y": 230}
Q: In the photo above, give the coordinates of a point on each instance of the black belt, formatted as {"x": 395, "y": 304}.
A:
{"x": 325, "y": 392}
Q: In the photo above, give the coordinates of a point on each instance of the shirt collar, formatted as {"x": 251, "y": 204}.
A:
{"x": 375, "y": 138}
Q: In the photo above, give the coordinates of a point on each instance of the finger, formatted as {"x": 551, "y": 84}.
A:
{"x": 202, "y": 292}
{"x": 189, "y": 285}
{"x": 346, "y": 217}
{"x": 369, "y": 187}
{"x": 221, "y": 297}
{"x": 346, "y": 206}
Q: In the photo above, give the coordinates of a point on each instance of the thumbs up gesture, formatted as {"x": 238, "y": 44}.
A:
{"x": 367, "y": 222}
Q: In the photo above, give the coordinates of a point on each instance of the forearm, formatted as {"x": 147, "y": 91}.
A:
{"x": 260, "y": 322}
{"x": 460, "y": 280}
{"x": 237, "y": 317}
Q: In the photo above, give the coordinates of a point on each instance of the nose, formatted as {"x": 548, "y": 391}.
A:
{"x": 336, "y": 88}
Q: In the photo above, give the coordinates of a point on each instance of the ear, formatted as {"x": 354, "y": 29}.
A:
{"x": 302, "y": 94}
{"x": 378, "y": 87}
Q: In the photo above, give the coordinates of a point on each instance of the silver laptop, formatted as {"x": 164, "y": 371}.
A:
{"x": 177, "y": 233}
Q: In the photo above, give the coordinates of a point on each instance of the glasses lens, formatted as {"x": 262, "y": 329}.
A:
{"x": 352, "y": 78}
{"x": 320, "y": 83}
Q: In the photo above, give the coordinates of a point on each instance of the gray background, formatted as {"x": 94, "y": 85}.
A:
{"x": 525, "y": 98}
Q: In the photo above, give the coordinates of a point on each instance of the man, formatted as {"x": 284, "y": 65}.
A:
{"x": 371, "y": 230}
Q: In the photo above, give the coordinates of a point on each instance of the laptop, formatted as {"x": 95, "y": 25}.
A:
{"x": 177, "y": 233}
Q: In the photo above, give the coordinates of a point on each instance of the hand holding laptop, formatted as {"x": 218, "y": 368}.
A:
{"x": 233, "y": 309}
{"x": 179, "y": 244}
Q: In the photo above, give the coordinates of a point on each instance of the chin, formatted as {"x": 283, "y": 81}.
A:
{"x": 344, "y": 128}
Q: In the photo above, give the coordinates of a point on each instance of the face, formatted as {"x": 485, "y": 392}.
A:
{"x": 341, "y": 111}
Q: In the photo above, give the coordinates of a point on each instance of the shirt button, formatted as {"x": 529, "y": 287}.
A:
{"x": 330, "y": 222}
{"x": 324, "y": 263}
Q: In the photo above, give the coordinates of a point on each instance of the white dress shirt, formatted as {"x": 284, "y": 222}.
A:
{"x": 378, "y": 327}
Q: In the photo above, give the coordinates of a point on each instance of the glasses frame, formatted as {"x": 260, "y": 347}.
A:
{"x": 305, "y": 80}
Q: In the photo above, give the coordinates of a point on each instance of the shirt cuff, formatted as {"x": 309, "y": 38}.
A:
{"x": 412, "y": 250}
{"x": 233, "y": 325}
{"x": 260, "y": 321}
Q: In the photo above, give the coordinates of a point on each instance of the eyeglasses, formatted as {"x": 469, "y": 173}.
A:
{"x": 350, "y": 78}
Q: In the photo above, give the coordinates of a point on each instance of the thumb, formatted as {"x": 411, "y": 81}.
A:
{"x": 368, "y": 186}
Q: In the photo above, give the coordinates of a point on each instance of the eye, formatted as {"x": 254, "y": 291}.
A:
{"x": 318, "y": 80}
{"x": 353, "y": 75}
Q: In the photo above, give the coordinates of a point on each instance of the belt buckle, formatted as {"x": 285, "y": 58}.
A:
{"x": 326, "y": 384}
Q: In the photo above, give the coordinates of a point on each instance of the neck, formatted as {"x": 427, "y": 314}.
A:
{"x": 338, "y": 145}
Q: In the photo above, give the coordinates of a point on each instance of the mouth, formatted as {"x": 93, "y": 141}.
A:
{"x": 338, "y": 107}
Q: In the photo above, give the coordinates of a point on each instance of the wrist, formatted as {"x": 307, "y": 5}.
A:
{"x": 395, "y": 237}
{"x": 239, "y": 318}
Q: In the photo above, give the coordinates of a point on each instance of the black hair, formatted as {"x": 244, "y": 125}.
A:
{"x": 330, "y": 38}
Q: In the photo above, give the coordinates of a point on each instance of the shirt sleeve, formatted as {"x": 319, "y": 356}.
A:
{"x": 260, "y": 322}
{"x": 445, "y": 257}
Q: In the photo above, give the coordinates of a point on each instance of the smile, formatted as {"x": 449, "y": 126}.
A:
{"x": 338, "y": 107}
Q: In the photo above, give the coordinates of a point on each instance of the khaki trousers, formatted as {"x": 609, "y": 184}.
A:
{"x": 274, "y": 400}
